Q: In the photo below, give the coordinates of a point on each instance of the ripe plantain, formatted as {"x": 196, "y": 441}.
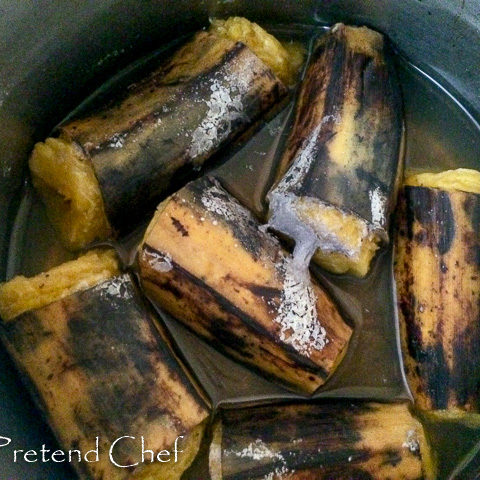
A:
{"x": 98, "y": 366}
{"x": 341, "y": 440}
{"x": 107, "y": 169}
{"x": 338, "y": 174}
{"x": 437, "y": 271}
{"x": 205, "y": 261}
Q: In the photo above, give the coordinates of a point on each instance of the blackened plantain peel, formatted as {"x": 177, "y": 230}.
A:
{"x": 99, "y": 368}
{"x": 339, "y": 171}
{"x": 108, "y": 169}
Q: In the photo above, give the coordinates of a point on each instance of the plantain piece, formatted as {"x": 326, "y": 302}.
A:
{"x": 437, "y": 272}
{"x": 65, "y": 179}
{"x": 109, "y": 168}
{"x": 339, "y": 171}
{"x": 22, "y": 294}
{"x": 324, "y": 441}
{"x": 205, "y": 261}
{"x": 285, "y": 59}
{"x": 99, "y": 368}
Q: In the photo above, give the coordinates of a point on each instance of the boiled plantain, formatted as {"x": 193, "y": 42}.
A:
{"x": 437, "y": 270}
{"x": 339, "y": 440}
{"x": 205, "y": 261}
{"x": 100, "y": 368}
{"x": 338, "y": 174}
{"x": 107, "y": 169}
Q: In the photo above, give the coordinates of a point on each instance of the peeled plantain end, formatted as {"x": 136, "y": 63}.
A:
{"x": 65, "y": 179}
{"x": 22, "y": 294}
{"x": 285, "y": 59}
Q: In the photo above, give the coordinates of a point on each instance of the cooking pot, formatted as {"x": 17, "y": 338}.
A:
{"x": 53, "y": 54}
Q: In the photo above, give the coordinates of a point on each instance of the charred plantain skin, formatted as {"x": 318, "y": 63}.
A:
{"x": 338, "y": 174}
{"x": 98, "y": 366}
{"x": 210, "y": 92}
{"x": 205, "y": 261}
{"x": 325, "y": 441}
{"x": 437, "y": 271}
{"x": 191, "y": 114}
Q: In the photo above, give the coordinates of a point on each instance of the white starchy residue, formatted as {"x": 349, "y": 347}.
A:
{"x": 117, "y": 141}
{"x": 223, "y": 109}
{"x": 225, "y": 105}
{"x": 297, "y": 314}
{"x": 241, "y": 73}
{"x": 256, "y": 450}
{"x": 114, "y": 287}
{"x": 294, "y": 217}
{"x": 301, "y": 164}
{"x": 278, "y": 473}
{"x": 259, "y": 451}
{"x": 161, "y": 262}
{"x": 285, "y": 219}
{"x": 412, "y": 442}
{"x": 377, "y": 205}
{"x": 303, "y": 161}
{"x": 218, "y": 202}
